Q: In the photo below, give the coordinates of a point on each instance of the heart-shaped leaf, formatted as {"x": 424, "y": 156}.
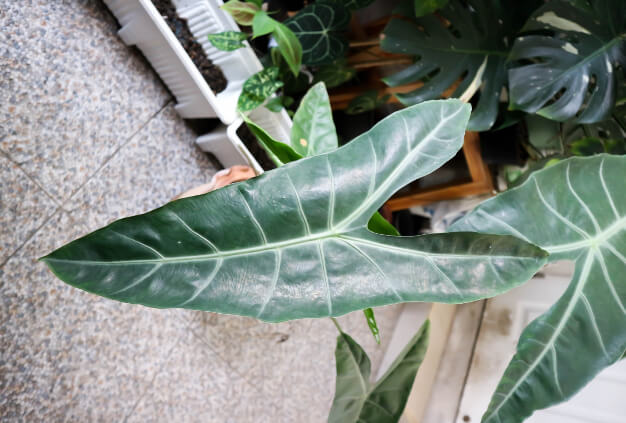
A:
{"x": 468, "y": 45}
{"x": 570, "y": 73}
{"x": 575, "y": 210}
{"x": 258, "y": 88}
{"x": 228, "y": 40}
{"x": 293, "y": 243}
{"x": 313, "y": 130}
{"x": 320, "y": 28}
{"x": 356, "y": 400}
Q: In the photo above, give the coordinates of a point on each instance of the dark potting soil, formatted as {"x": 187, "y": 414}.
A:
{"x": 212, "y": 74}
{"x": 255, "y": 148}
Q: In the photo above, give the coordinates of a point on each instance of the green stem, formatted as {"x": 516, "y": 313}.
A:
{"x": 336, "y": 324}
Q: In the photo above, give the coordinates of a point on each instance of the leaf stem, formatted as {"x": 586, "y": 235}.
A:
{"x": 337, "y": 325}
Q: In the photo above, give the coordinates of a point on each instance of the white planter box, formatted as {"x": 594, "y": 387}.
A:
{"x": 226, "y": 145}
{"x": 143, "y": 26}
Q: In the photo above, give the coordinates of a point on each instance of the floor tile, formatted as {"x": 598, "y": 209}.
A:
{"x": 67, "y": 354}
{"x": 23, "y": 207}
{"x": 293, "y": 361}
{"x": 195, "y": 385}
{"x": 160, "y": 162}
{"x": 70, "y": 91}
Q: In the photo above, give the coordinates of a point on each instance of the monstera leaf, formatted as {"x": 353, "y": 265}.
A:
{"x": 293, "y": 243}
{"x": 258, "y": 88}
{"x": 228, "y": 40}
{"x": 575, "y": 210}
{"x": 313, "y": 130}
{"x": 356, "y": 400}
{"x": 320, "y": 28}
{"x": 472, "y": 50}
{"x": 570, "y": 73}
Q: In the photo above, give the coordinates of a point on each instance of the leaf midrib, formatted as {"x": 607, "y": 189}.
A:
{"x": 582, "y": 282}
{"x": 598, "y": 239}
{"x": 277, "y": 246}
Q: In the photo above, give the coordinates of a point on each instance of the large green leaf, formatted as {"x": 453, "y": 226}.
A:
{"x": 576, "y": 210}
{"x": 293, "y": 243}
{"x": 570, "y": 72}
{"x": 313, "y": 130}
{"x": 258, "y": 88}
{"x": 228, "y": 40}
{"x": 320, "y": 27}
{"x": 356, "y": 400}
{"x": 472, "y": 49}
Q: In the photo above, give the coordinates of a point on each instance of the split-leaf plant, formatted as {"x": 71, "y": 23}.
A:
{"x": 575, "y": 210}
{"x": 557, "y": 58}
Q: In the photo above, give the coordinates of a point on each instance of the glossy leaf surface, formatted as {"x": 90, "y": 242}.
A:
{"x": 570, "y": 72}
{"x": 258, "y": 88}
{"x": 228, "y": 40}
{"x": 293, "y": 243}
{"x": 575, "y": 210}
{"x": 320, "y": 28}
{"x": 313, "y": 131}
{"x": 356, "y": 400}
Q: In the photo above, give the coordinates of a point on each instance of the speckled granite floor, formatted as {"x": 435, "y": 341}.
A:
{"x": 88, "y": 134}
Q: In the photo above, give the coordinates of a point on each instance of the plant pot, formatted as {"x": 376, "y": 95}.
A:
{"x": 143, "y": 26}
{"x": 226, "y": 144}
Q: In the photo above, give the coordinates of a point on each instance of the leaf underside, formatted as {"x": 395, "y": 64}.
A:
{"x": 293, "y": 243}
{"x": 575, "y": 210}
{"x": 356, "y": 400}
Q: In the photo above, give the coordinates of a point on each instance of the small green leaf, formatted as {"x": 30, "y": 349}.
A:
{"x": 279, "y": 152}
{"x": 258, "y": 88}
{"x": 262, "y": 24}
{"x": 313, "y": 130}
{"x": 334, "y": 74}
{"x": 425, "y": 7}
{"x": 371, "y": 322}
{"x": 587, "y": 146}
{"x": 289, "y": 46}
{"x": 365, "y": 102}
{"x": 242, "y": 12}
{"x": 356, "y": 400}
{"x": 228, "y": 40}
{"x": 274, "y": 104}
{"x": 320, "y": 28}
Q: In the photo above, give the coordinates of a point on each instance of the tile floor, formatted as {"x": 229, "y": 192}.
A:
{"x": 88, "y": 134}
